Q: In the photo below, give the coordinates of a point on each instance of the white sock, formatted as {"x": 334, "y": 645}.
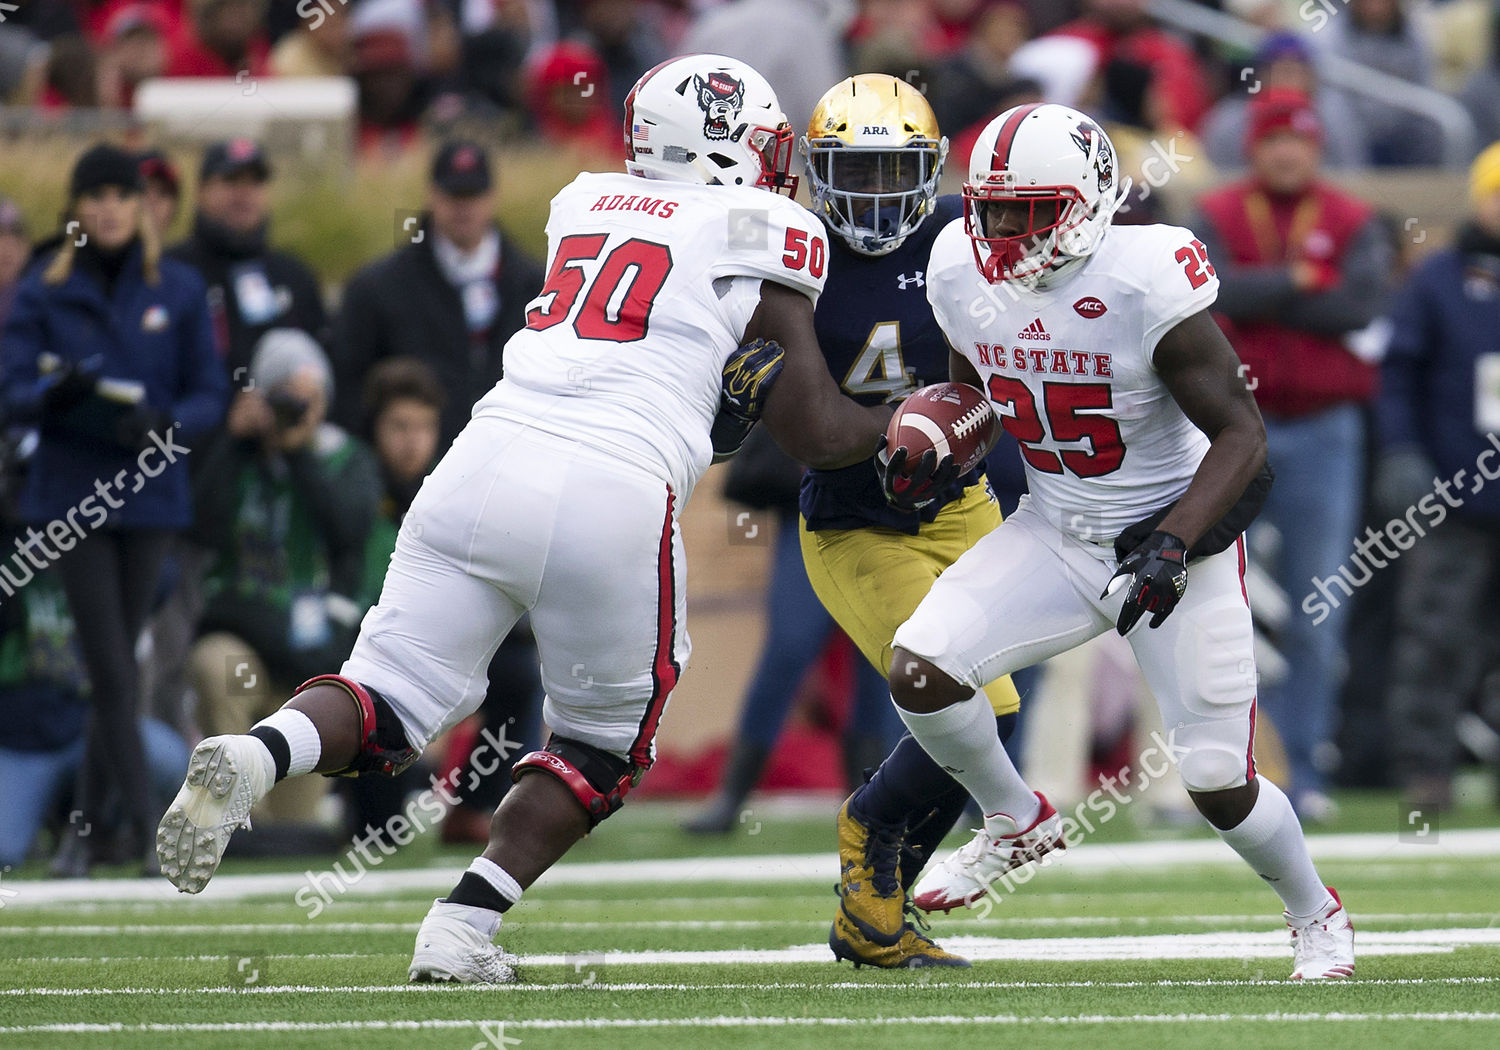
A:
{"x": 302, "y": 740}
{"x": 497, "y": 877}
{"x": 961, "y": 738}
{"x": 1270, "y": 840}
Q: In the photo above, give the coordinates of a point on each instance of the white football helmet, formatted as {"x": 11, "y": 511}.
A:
{"x": 711, "y": 120}
{"x": 1042, "y": 190}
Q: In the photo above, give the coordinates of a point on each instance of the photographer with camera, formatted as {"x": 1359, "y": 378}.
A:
{"x": 285, "y": 503}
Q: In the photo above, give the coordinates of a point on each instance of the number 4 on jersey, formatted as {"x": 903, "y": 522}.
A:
{"x": 879, "y": 368}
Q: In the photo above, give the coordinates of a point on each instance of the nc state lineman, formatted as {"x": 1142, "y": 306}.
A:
{"x": 561, "y": 498}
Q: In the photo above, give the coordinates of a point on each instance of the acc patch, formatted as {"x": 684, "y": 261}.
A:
{"x": 155, "y": 319}
{"x": 1090, "y": 307}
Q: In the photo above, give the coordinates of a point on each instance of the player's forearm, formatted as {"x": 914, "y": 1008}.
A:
{"x": 842, "y": 436}
{"x": 1231, "y": 463}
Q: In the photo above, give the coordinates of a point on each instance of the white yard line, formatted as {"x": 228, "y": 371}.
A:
{"x": 966, "y": 923}
{"x": 1219, "y": 945}
{"x": 522, "y": 919}
{"x": 1222, "y": 944}
{"x": 351, "y": 876}
{"x": 642, "y": 986}
{"x": 1299, "y": 1017}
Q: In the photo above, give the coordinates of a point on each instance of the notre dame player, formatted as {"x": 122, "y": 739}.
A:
{"x": 874, "y": 155}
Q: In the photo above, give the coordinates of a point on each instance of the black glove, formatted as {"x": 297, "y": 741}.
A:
{"x": 749, "y": 375}
{"x": 1158, "y": 572}
{"x": 913, "y": 489}
{"x": 133, "y": 428}
{"x": 68, "y": 387}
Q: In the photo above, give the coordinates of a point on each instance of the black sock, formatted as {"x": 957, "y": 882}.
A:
{"x": 275, "y": 743}
{"x": 909, "y": 784}
{"x": 477, "y": 892}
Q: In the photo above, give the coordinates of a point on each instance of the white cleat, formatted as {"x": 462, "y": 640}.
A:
{"x": 455, "y": 944}
{"x": 966, "y": 874}
{"x": 226, "y": 776}
{"x": 1323, "y": 949}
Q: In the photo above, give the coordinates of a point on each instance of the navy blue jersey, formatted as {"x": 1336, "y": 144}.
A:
{"x": 879, "y": 338}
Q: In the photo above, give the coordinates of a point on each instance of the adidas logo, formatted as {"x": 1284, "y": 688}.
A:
{"x": 1034, "y": 331}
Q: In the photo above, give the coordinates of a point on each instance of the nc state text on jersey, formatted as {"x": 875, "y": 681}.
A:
{"x": 1040, "y": 359}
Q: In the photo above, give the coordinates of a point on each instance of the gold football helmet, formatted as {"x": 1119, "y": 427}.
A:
{"x": 874, "y": 156}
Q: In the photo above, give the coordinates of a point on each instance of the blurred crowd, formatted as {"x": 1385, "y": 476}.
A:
{"x": 154, "y": 597}
{"x": 204, "y": 479}
{"x": 560, "y": 69}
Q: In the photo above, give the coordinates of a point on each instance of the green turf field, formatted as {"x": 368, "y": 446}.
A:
{"x": 645, "y": 934}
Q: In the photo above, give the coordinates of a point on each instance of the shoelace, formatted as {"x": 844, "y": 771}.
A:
{"x": 1316, "y": 937}
{"x": 882, "y": 855}
{"x": 917, "y": 924}
{"x": 975, "y": 848}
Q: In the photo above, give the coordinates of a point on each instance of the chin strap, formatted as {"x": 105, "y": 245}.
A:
{"x": 1103, "y": 215}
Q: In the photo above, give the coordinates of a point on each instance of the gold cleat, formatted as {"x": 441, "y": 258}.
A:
{"x": 873, "y": 901}
{"x": 912, "y": 950}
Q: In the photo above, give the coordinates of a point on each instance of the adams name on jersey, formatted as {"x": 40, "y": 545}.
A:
{"x": 1069, "y": 369}
{"x": 668, "y": 274}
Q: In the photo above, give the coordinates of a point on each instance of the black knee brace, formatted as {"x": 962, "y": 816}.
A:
{"x": 599, "y": 780}
{"x": 383, "y": 747}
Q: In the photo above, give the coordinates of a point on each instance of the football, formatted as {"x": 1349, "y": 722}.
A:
{"x": 952, "y": 418}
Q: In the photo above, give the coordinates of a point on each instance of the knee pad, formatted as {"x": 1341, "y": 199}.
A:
{"x": 599, "y": 780}
{"x": 383, "y": 747}
{"x": 1211, "y": 768}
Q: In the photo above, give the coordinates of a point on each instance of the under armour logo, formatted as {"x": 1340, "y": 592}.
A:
{"x": 915, "y": 279}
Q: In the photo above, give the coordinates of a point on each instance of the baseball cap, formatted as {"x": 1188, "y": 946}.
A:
{"x": 233, "y": 156}
{"x": 104, "y": 165}
{"x": 461, "y": 169}
{"x": 131, "y": 17}
{"x": 1282, "y": 109}
{"x": 157, "y": 165}
{"x": 1277, "y": 46}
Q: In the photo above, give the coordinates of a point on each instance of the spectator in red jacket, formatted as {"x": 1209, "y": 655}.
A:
{"x": 1126, "y": 37}
{"x": 568, "y": 91}
{"x": 1303, "y": 267}
{"x": 224, "y": 38}
{"x": 389, "y": 63}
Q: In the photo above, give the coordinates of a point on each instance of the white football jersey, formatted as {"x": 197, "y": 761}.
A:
{"x": 650, "y": 285}
{"x": 1070, "y": 370}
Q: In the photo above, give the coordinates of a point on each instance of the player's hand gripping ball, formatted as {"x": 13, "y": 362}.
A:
{"x": 939, "y": 433}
